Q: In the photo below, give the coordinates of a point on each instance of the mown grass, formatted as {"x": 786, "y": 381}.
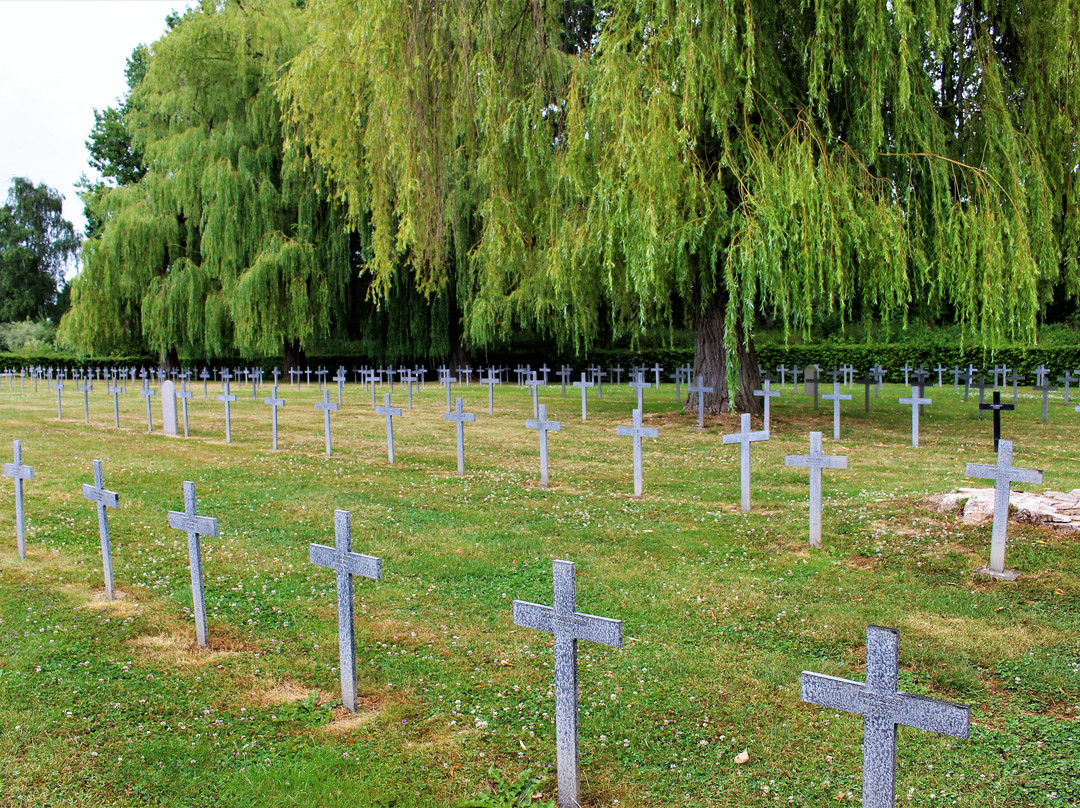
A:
{"x": 114, "y": 704}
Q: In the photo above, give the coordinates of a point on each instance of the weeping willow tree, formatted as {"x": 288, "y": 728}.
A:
{"x": 227, "y": 242}
{"x": 572, "y": 167}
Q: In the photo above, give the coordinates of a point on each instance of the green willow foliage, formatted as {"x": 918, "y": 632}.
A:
{"x": 557, "y": 163}
{"x": 227, "y": 242}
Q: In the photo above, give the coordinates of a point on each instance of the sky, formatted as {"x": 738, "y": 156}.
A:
{"x": 59, "y": 60}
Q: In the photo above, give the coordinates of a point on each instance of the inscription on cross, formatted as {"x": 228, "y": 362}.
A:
{"x": 346, "y": 564}
{"x": 883, "y": 707}
{"x": 567, "y": 625}
{"x": 195, "y": 526}
{"x": 104, "y": 499}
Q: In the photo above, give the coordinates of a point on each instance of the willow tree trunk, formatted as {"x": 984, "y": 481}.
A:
{"x": 170, "y": 360}
{"x": 294, "y": 357}
{"x": 710, "y": 362}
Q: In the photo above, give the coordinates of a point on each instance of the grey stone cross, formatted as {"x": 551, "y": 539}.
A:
{"x": 104, "y": 499}
{"x": 116, "y": 391}
{"x": 59, "y": 388}
{"x": 1066, "y": 380}
{"x": 340, "y": 379}
{"x": 274, "y": 402}
{"x": 1016, "y": 377}
{"x": 567, "y": 625}
{"x": 1003, "y": 474}
{"x": 85, "y": 387}
{"x": 148, "y": 393}
{"x": 460, "y": 418}
{"x": 228, "y": 398}
{"x": 940, "y": 369}
{"x": 745, "y": 437}
{"x": 1046, "y": 389}
{"x": 883, "y": 707}
{"x": 448, "y": 380}
{"x": 490, "y": 380}
{"x": 1040, "y": 374}
{"x": 327, "y": 406}
{"x": 195, "y": 526}
{"x": 836, "y": 397}
{"x": 544, "y": 425}
{"x": 701, "y": 390}
{"x": 346, "y": 564}
{"x": 18, "y": 472}
{"x": 765, "y": 394}
{"x": 184, "y": 395}
{"x": 640, "y": 384}
{"x": 564, "y": 374}
{"x": 816, "y": 461}
{"x": 534, "y": 384}
{"x": 389, "y": 412}
{"x": 907, "y": 371}
{"x": 584, "y": 385}
{"x": 637, "y": 432}
{"x": 916, "y": 400}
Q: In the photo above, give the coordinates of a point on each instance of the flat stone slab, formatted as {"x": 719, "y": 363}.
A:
{"x": 1056, "y": 509}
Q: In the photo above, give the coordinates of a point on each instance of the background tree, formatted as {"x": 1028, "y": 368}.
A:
{"x": 226, "y": 242}
{"x": 36, "y": 245}
{"x": 627, "y": 162}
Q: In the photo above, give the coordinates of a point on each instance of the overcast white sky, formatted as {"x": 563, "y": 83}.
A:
{"x": 59, "y": 60}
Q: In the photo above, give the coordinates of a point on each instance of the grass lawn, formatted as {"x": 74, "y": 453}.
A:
{"x": 105, "y": 704}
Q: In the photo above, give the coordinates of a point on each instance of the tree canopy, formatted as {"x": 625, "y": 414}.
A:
{"x": 36, "y": 245}
{"x": 732, "y": 161}
{"x": 224, "y": 241}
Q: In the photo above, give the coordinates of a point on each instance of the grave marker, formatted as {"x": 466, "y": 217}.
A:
{"x": 104, "y": 499}
{"x": 85, "y": 387}
{"x": 491, "y": 380}
{"x": 1046, "y": 389}
{"x": 584, "y": 385}
{"x": 1003, "y": 474}
{"x": 745, "y": 437}
{"x": 997, "y": 407}
{"x": 346, "y": 564}
{"x": 327, "y": 407}
{"x": 567, "y": 625}
{"x": 460, "y": 418}
{"x": 274, "y": 402}
{"x": 534, "y": 384}
{"x": 883, "y": 707}
{"x": 389, "y": 412}
{"x": 59, "y": 387}
{"x": 637, "y": 432}
{"x": 816, "y": 461}
{"x": 765, "y": 394}
{"x": 836, "y": 397}
{"x": 228, "y": 398}
{"x": 195, "y": 526}
{"x": 639, "y": 384}
{"x": 544, "y": 426}
{"x": 18, "y": 472}
{"x": 916, "y": 401}
{"x": 148, "y": 393}
{"x": 701, "y": 390}
{"x": 116, "y": 391}
{"x": 168, "y": 407}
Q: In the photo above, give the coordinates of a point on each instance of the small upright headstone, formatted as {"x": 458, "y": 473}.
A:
{"x": 816, "y": 461}
{"x": 637, "y": 432}
{"x": 1003, "y": 474}
{"x": 18, "y": 472}
{"x": 195, "y": 526}
{"x": 568, "y": 625}
{"x": 745, "y": 437}
{"x": 168, "y": 407}
{"x": 104, "y": 499}
{"x": 883, "y": 706}
{"x": 346, "y": 564}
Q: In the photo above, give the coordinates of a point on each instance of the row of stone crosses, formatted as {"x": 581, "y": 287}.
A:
{"x": 878, "y": 700}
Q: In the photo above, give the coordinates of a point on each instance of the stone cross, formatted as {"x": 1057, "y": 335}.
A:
{"x": 116, "y": 391}
{"x": 18, "y": 472}
{"x": 534, "y": 384}
{"x": 564, "y": 374}
{"x": 745, "y": 437}
{"x": 346, "y": 564}
{"x": 1040, "y": 374}
{"x": 327, "y": 407}
{"x": 1066, "y": 380}
{"x": 1016, "y": 378}
{"x": 810, "y": 383}
{"x": 205, "y": 376}
{"x": 907, "y": 370}
{"x": 104, "y": 499}
{"x": 637, "y": 432}
{"x": 836, "y": 397}
{"x": 460, "y": 417}
{"x": 544, "y": 426}
{"x": 147, "y": 393}
{"x": 867, "y": 382}
{"x": 999, "y": 372}
{"x": 940, "y": 369}
{"x": 449, "y": 382}
{"x": 997, "y": 407}
{"x": 916, "y": 401}
{"x": 195, "y": 526}
{"x": 816, "y": 461}
{"x": 980, "y": 382}
{"x": 227, "y": 398}
{"x": 490, "y": 380}
{"x": 956, "y": 374}
{"x": 274, "y": 403}
{"x": 640, "y": 384}
{"x": 883, "y": 707}
{"x": 879, "y": 375}
{"x": 765, "y": 394}
{"x": 389, "y": 412}
{"x": 568, "y": 626}
{"x": 340, "y": 379}
{"x": 617, "y": 370}
{"x": 701, "y": 390}
{"x": 59, "y": 388}
{"x": 584, "y": 385}
{"x": 85, "y": 387}
{"x": 656, "y": 370}
{"x": 184, "y": 395}
{"x": 1003, "y": 475}
{"x": 1046, "y": 389}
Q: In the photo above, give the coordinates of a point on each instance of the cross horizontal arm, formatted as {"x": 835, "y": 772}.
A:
{"x": 534, "y": 615}
{"x": 19, "y": 472}
{"x": 932, "y": 715}
{"x": 832, "y": 692}
{"x": 107, "y": 498}
{"x": 355, "y": 563}
{"x": 203, "y": 525}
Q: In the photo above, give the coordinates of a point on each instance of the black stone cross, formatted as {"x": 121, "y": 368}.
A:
{"x": 997, "y": 407}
